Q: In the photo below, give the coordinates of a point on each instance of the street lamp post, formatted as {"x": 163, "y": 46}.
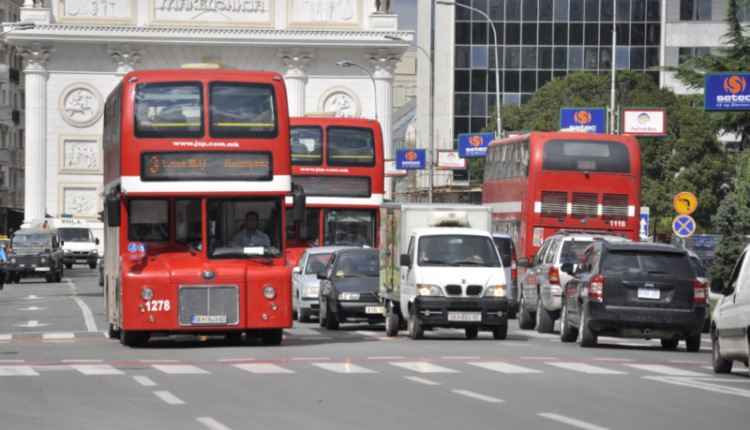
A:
{"x": 432, "y": 108}
{"x": 497, "y": 69}
{"x": 375, "y": 94}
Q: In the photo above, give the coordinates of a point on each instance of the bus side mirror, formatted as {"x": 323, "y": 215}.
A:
{"x": 298, "y": 209}
{"x": 113, "y": 211}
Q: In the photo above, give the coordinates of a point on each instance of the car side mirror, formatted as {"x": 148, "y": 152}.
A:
{"x": 96, "y": 241}
{"x": 405, "y": 260}
{"x": 717, "y": 286}
{"x": 295, "y": 270}
{"x": 322, "y": 275}
{"x": 568, "y": 268}
{"x": 523, "y": 262}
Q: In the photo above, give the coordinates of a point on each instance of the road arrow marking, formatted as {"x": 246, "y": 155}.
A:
{"x": 32, "y": 308}
{"x": 32, "y": 323}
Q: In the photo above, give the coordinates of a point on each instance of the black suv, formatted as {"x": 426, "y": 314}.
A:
{"x": 35, "y": 252}
{"x": 633, "y": 290}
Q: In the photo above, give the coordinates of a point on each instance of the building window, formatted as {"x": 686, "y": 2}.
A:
{"x": 478, "y": 57}
{"x": 695, "y": 10}
{"x": 743, "y": 11}
{"x": 687, "y": 53}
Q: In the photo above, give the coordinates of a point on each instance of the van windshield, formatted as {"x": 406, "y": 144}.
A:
{"x": 457, "y": 250}
{"x": 31, "y": 241}
{"x": 75, "y": 234}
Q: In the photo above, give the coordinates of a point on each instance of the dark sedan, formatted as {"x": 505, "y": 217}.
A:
{"x": 349, "y": 288}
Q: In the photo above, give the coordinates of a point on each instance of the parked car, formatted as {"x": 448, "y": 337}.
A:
{"x": 730, "y": 339}
{"x": 507, "y": 250}
{"x": 633, "y": 290}
{"x": 700, "y": 275}
{"x": 541, "y": 286}
{"x": 35, "y": 252}
{"x": 349, "y": 288}
{"x": 305, "y": 282}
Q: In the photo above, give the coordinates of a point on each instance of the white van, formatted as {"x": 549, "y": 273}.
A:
{"x": 80, "y": 245}
{"x": 730, "y": 323}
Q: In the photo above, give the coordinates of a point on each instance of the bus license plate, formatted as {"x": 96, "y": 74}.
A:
{"x": 208, "y": 319}
{"x": 374, "y": 310}
{"x": 469, "y": 317}
{"x": 648, "y": 293}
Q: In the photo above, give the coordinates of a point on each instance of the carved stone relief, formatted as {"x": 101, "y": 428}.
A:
{"x": 233, "y": 13}
{"x": 80, "y": 154}
{"x": 324, "y": 13}
{"x": 80, "y": 104}
{"x": 79, "y": 199}
{"x": 341, "y": 101}
{"x": 111, "y": 11}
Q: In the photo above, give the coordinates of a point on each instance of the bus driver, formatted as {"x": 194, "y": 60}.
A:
{"x": 250, "y": 235}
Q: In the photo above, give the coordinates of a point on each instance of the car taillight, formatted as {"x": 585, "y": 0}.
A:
{"x": 513, "y": 265}
{"x": 554, "y": 276}
{"x": 595, "y": 287}
{"x": 699, "y": 292}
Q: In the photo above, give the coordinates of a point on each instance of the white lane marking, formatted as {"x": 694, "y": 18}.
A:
{"x": 461, "y": 358}
{"x": 145, "y": 381}
{"x": 505, "y": 368}
{"x": 687, "y": 361}
{"x": 32, "y": 323}
{"x": 32, "y": 308}
{"x": 88, "y": 317}
{"x": 478, "y": 396}
{"x": 180, "y": 369}
{"x": 82, "y": 361}
{"x": 571, "y": 421}
{"x": 6, "y": 336}
{"x": 696, "y": 383}
{"x": 33, "y": 298}
{"x": 17, "y": 371}
{"x": 169, "y": 397}
{"x": 664, "y": 370}
{"x": 97, "y": 369}
{"x": 587, "y": 368}
{"x": 343, "y": 368}
{"x": 423, "y": 367}
{"x": 386, "y": 358}
{"x": 236, "y": 359}
{"x": 370, "y": 333}
{"x": 311, "y": 358}
{"x": 58, "y": 336}
{"x": 211, "y": 423}
{"x": 262, "y": 368}
{"x": 53, "y": 368}
{"x": 301, "y": 332}
{"x": 421, "y": 380}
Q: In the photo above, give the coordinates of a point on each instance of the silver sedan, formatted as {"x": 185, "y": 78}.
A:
{"x": 305, "y": 282}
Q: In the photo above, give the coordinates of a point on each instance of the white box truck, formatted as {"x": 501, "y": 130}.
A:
{"x": 440, "y": 268}
{"x": 79, "y": 243}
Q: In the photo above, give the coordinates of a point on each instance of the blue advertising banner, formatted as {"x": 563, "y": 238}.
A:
{"x": 411, "y": 159}
{"x": 591, "y": 120}
{"x": 474, "y": 145}
{"x": 727, "y": 91}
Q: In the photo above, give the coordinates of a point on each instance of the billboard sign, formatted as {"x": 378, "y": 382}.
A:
{"x": 411, "y": 159}
{"x": 644, "y": 122}
{"x": 391, "y": 170}
{"x": 591, "y": 120}
{"x": 450, "y": 160}
{"x": 727, "y": 91}
{"x": 474, "y": 145}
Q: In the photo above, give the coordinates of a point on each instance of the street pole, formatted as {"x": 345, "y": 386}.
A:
{"x": 614, "y": 62}
{"x": 372, "y": 78}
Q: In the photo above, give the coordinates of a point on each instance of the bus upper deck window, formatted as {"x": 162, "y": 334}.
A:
{"x": 169, "y": 110}
{"x": 307, "y": 145}
{"x": 242, "y": 110}
{"x": 350, "y": 146}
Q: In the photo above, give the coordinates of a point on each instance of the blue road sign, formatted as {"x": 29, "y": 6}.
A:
{"x": 643, "y": 227}
{"x": 727, "y": 91}
{"x": 683, "y": 226}
{"x": 411, "y": 159}
{"x": 591, "y": 120}
{"x": 704, "y": 243}
{"x": 474, "y": 145}
{"x": 132, "y": 247}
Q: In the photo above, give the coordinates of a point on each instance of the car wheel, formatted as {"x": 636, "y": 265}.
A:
{"x": 416, "y": 331}
{"x": 321, "y": 313}
{"x": 471, "y": 332}
{"x": 59, "y": 275}
{"x": 544, "y": 321}
{"x": 693, "y": 343}
{"x": 567, "y": 333}
{"x": 391, "y": 320}
{"x": 720, "y": 364}
{"x": 68, "y": 265}
{"x": 512, "y": 313}
{"x": 50, "y": 277}
{"x": 586, "y": 336}
{"x": 500, "y": 332}
{"x": 707, "y": 324}
{"x": 331, "y": 323}
{"x": 112, "y": 333}
{"x": 670, "y": 343}
{"x": 92, "y": 265}
{"x": 271, "y": 336}
{"x": 525, "y": 319}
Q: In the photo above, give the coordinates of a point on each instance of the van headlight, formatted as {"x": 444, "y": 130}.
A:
{"x": 430, "y": 290}
{"x": 94, "y": 251}
{"x": 310, "y": 291}
{"x": 495, "y": 291}
{"x": 67, "y": 251}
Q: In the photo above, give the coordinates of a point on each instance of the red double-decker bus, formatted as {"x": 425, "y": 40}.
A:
{"x": 339, "y": 163}
{"x": 197, "y": 166}
{"x": 540, "y": 183}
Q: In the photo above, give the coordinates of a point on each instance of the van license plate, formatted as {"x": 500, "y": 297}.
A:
{"x": 374, "y": 310}
{"x": 208, "y": 319}
{"x": 648, "y": 293}
{"x": 468, "y": 317}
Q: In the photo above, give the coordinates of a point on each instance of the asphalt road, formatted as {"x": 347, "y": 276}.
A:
{"x": 59, "y": 370}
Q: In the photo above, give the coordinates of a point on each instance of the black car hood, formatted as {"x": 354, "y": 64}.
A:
{"x": 359, "y": 284}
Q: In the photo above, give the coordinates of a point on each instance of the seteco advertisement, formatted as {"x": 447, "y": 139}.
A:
{"x": 450, "y": 160}
{"x": 727, "y": 91}
{"x": 411, "y": 159}
{"x": 474, "y": 145}
{"x": 392, "y": 170}
{"x": 644, "y": 121}
{"x": 591, "y": 120}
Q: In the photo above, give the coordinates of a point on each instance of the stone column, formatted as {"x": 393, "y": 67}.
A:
{"x": 125, "y": 56}
{"x": 35, "y": 56}
{"x": 384, "y": 61}
{"x": 296, "y": 60}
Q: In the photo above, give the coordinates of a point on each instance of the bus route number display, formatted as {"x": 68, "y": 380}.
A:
{"x": 207, "y": 166}
{"x": 334, "y": 186}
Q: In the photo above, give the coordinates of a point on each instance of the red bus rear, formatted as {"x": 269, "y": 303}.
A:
{"x": 339, "y": 162}
{"x": 196, "y": 171}
{"x": 540, "y": 183}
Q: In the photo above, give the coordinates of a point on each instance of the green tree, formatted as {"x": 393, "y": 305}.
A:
{"x": 731, "y": 219}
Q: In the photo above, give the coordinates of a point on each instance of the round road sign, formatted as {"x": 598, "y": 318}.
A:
{"x": 683, "y": 226}
{"x": 685, "y": 203}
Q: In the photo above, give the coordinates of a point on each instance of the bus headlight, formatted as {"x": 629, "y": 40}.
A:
{"x": 430, "y": 290}
{"x": 495, "y": 291}
{"x": 269, "y": 292}
{"x": 147, "y": 293}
